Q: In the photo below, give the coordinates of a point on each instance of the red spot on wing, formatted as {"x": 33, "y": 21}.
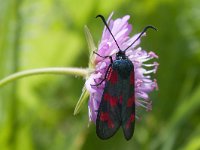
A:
{"x": 120, "y": 99}
{"x": 112, "y": 100}
{"x": 106, "y": 96}
{"x": 131, "y": 101}
{"x": 110, "y": 124}
{"x": 112, "y": 76}
{"x": 109, "y": 74}
{"x": 104, "y": 116}
{"x": 131, "y": 119}
{"x": 132, "y": 78}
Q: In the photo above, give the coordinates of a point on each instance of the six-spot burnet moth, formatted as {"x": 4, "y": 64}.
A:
{"x": 117, "y": 106}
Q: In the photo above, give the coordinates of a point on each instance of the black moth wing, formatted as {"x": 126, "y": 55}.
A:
{"x": 118, "y": 101}
{"x": 128, "y": 107}
{"x": 108, "y": 117}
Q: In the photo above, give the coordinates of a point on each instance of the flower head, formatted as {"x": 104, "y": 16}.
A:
{"x": 121, "y": 29}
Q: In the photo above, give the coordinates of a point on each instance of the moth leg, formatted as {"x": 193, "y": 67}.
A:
{"x": 107, "y": 71}
{"x": 110, "y": 57}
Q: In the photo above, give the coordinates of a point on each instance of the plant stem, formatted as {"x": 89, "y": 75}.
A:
{"x": 54, "y": 70}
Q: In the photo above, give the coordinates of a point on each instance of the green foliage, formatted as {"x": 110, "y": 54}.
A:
{"x": 37, "y": 112}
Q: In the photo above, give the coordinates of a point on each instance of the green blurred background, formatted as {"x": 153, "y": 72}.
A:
{"x": 36, "y": 113}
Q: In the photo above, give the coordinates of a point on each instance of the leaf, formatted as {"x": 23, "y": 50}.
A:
{"x": 91, "y": 46}
{"x": 193, "y": 144}
{"x": 193, "y": 141}
{"x": 81, "y": 101}
{"x": 168, "y": 137}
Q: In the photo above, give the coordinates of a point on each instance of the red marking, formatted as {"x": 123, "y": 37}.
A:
{"x": 106, "y": 118}
{"x": 132, "y": 79}
{"x": 120, "y": 99}
{"x": 110, "y": 124}
{"x": 131, "y": 101}
{"x": 109, "y": 73}
{"x": 112, "y": 100}
{"x": 112, "y": 76}
{"x": 131, "y": 119}
{"x": 106, "y": 96}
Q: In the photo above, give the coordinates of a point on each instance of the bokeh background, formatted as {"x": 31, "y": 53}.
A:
{"x": 36, "y": 113}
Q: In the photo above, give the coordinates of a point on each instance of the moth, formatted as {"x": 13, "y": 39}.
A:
{"x": 117, "y": 106}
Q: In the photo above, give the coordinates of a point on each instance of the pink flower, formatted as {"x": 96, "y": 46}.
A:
{"x": 121, "y": 29}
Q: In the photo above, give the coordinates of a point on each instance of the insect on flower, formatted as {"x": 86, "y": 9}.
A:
{"x": 118, "y": 81}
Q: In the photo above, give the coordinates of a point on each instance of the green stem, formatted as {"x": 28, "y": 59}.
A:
{"x": 54, "y": 70}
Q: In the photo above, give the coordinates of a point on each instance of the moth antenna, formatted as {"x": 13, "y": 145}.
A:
{"x": 104, "y": 21}
{"x": 144, "y": 30}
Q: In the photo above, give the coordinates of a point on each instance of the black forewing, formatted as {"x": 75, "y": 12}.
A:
{"x": 128, "y": 106}
{"x": 108, "y": 117}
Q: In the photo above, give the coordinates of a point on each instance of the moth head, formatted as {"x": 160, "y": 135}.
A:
{"x": 121, "y": 55}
